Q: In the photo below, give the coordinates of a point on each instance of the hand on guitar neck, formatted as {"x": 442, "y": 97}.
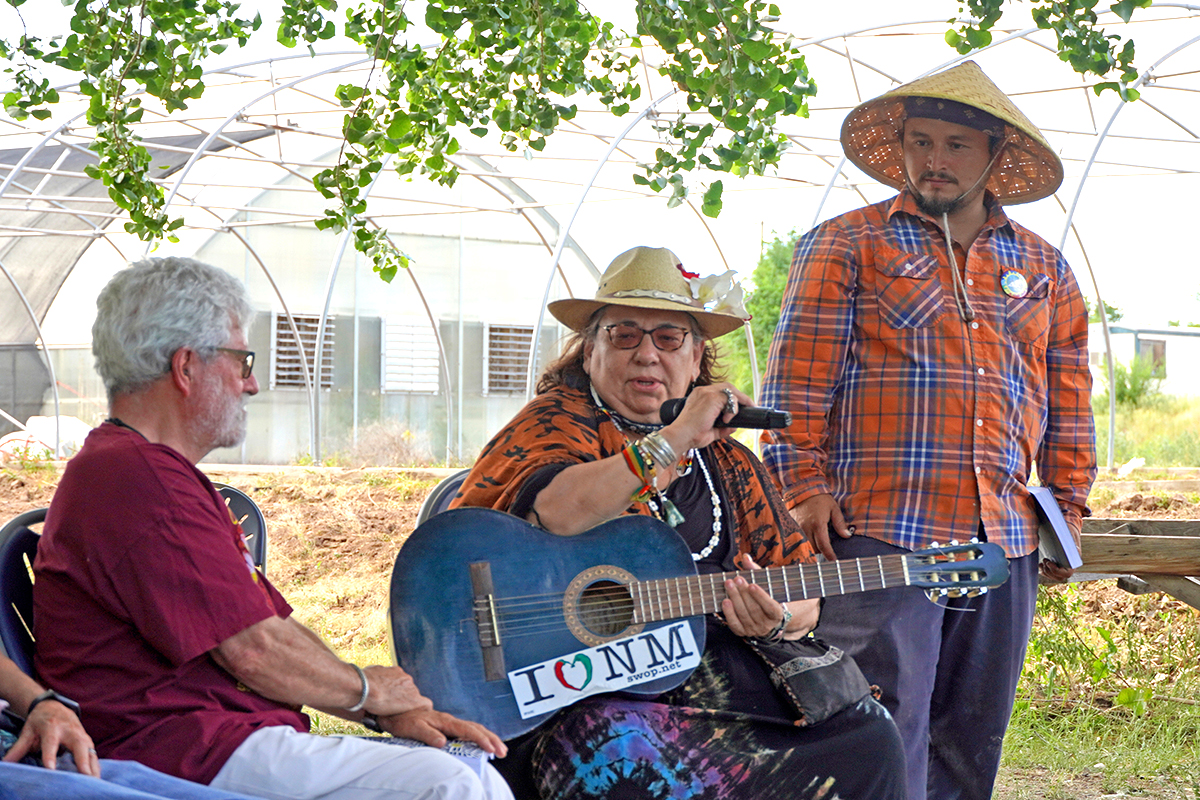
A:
{"x": 749, "y": 611}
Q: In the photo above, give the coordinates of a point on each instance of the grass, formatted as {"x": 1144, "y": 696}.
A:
{"x": 1163, "y": 430}
{"x": 1110, "y": 692}
{"x": 1121, "y": 754}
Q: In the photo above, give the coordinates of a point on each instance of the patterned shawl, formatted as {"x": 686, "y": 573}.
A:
{"x": 564, "y": 426}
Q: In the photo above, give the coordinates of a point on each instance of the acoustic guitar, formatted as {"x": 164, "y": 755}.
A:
{"x": 502, "y": 623}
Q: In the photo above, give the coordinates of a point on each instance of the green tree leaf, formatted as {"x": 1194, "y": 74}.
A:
{"x": 711, "y": 207}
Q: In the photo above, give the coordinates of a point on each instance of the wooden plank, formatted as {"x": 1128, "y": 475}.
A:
{"x": 1156, "y": 554}
{"x": 1143, "y": 527}
{"x": 1186, "y": 589}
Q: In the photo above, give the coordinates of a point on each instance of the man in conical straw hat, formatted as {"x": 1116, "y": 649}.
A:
{"x": 932, "y": 352}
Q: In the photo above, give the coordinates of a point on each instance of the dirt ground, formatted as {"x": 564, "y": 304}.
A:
{"x": 333, "y": 535}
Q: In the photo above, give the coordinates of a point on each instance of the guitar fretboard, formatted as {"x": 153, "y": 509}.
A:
{"x": 673, "y": 598}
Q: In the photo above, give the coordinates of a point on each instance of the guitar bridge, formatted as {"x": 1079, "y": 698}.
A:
{"x": 484, "y": 592}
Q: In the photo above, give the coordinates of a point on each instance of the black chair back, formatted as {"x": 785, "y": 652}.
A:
{"x": 438, "y": 500}
{"x": 18, "y": 546}
{"x": 254, "y": 525}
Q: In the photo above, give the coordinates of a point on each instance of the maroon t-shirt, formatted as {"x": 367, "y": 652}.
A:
{"x": 139, "y": 574}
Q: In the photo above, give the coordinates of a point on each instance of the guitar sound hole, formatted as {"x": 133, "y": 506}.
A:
{"x": 605, "y": 608}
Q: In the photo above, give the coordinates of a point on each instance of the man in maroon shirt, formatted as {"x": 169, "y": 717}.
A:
{"x": 148, "y": 609}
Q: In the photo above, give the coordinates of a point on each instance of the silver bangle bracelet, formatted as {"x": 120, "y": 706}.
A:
{"x": 660, "y": 449}
{"x": 776, "y": 634}
{"x": 366, "y": 689}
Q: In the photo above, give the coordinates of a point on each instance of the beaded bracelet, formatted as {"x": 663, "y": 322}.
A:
{"x": 642, "y": 469}
{"x": 641, "y": 464}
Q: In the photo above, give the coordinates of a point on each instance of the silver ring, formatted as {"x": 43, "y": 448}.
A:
{"x": 92, "y": 750}
{"x": 730, "y": 403}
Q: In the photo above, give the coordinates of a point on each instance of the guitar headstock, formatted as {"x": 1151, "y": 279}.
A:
{"x": 958, "y": 570}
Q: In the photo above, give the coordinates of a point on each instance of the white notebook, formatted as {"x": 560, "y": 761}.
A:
{"x": 1054, "y": 537}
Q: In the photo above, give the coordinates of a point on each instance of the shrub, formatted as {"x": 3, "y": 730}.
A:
{"x": 386, "y": 444}
{"x": 1138, "y": 384}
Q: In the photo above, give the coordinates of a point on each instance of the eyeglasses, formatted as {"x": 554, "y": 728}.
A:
{"x": 244, "y": 356}
{"x": 626, "y": 336}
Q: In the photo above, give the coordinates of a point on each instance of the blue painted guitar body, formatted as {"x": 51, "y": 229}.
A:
{"x": 477, "y": 594}
{"x": 434, "y": 631}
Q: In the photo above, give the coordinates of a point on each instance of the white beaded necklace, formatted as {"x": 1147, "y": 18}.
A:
{"x": 716, "y": 504}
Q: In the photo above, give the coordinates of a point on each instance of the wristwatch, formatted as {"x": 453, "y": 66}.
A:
{"x": 50, "y": 694}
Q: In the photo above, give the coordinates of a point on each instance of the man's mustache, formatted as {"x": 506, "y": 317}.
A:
{"x": 938, "y": 176}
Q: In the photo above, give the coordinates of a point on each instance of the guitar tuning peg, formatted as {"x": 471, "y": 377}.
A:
{"x": 983, "y": 589}
{"x": 974, "y": 540}
{"x": 954, "y": 542}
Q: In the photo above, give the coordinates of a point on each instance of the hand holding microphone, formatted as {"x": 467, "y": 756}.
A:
{"x": 746, "y": 417}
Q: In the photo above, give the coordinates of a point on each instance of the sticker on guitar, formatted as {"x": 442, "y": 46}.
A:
{"x": 558, "y": 682}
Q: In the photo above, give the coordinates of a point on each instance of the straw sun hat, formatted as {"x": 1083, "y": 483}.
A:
{"x": 1027, "y": 170}
{"x": 654, "y": 277}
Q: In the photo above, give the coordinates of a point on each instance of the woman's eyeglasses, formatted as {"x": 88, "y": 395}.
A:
{"x": 244, "y": 356}
{"x": 626, "y": 336}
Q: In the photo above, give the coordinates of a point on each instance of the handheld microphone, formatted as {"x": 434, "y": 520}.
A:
{"x": 746, "y": 417}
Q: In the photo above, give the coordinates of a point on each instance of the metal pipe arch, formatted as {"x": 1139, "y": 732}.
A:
{"x": 4, "y": 186}
{"x": 563, "y": 235}
{"x": 335, "y": 264}
{"x": 49, "y": 365}
{"x": 1112, "y": 394}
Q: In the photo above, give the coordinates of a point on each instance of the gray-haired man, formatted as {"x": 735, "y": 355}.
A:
{"x": 148, "y": 609}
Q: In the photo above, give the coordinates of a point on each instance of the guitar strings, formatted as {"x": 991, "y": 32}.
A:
{"x": 616, "y": 604}
{"x": 613, "y": 608}
{"x": 616, "y": 607}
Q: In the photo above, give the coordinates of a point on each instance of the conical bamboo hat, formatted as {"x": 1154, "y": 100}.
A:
{"x": 1027, "y": 170}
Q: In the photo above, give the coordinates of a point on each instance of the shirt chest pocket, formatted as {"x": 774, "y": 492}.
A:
{"x": 909, "y": 291}
{"x": 1027, "y": 317}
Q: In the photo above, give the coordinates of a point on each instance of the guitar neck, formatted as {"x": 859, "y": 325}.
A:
{"x": 675, "y": 598}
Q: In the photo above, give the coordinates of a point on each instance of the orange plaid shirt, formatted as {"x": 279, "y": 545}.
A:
{"x": 920, "y": 424}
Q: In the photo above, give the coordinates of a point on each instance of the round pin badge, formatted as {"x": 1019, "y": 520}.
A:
{"x": 1014, "y": 284}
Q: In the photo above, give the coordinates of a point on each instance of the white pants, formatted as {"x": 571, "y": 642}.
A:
{"x": 281, "y": 763}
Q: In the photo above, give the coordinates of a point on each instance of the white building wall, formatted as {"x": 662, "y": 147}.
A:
{"x": 1180, "y": 348}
